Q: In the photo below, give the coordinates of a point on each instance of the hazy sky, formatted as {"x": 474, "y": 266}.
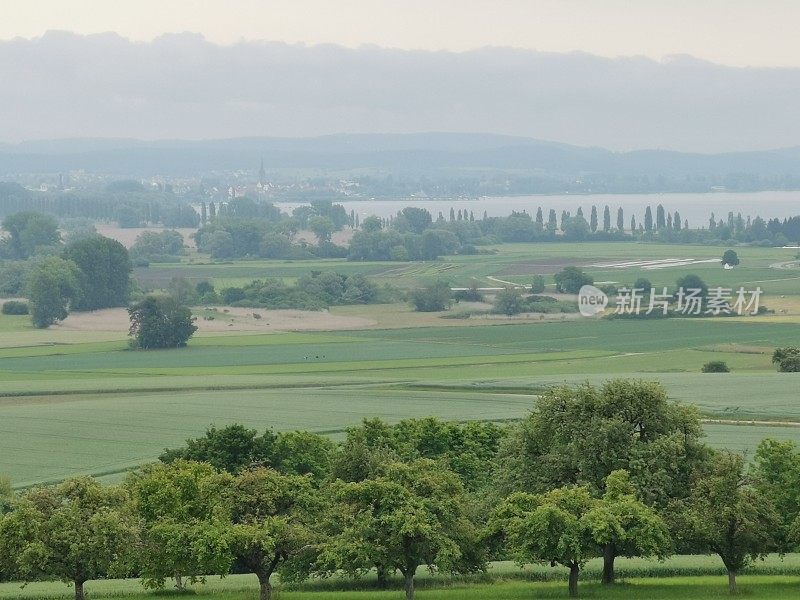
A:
{"x": 732, "y": 32}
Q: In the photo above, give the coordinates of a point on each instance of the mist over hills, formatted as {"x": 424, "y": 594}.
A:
{"x": 181, "y": 86}
{"x": 420, "y": 154}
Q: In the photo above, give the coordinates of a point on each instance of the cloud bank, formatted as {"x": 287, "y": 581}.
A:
{"x": 182, "y": 86}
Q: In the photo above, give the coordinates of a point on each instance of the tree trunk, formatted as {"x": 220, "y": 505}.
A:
{"x": 79, "y": 594}
{"x": 609, "y": 555}
{"x": 383, "y": 577}
{"x": 179, "y": 582}
{"x": 409, "y": 586}
{"x": 265, "y": 585}
{"x": 732, "y": 581}
{"x": 574, "y": 570}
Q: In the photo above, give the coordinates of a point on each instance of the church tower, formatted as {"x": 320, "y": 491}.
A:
{"x": 262, "y": 176}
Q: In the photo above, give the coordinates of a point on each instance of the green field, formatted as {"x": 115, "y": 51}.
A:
{"x": 78, "y": 401}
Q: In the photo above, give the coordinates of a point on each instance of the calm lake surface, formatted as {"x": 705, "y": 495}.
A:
{"x": 697, "y": 208}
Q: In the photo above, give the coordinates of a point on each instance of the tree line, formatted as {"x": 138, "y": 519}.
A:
{"x": 591, "y": 472}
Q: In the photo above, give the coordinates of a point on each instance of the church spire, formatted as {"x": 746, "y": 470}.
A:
{"x": 262, "y": 174}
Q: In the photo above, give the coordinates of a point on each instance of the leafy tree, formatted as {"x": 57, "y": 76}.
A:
{"x": 273, "y": 525}
{"x": 726, "y": 515}
{"x": 787, "y": 359}
{"x": 606, "y": 219}
{"x": 75, "y": 531}
{"x": 418, "y": 219}
{"x": 730, "y": 258}
{"x": 160, "y": 323}
{"x": 432, "y": 298}
{"x": 593, "y": 219}
{"x": 6, "y": 496}
{"x": 437, "y": 242}
{"x": 692, "y": 282}
{"x": 580, "y": 435}
{"x": 158, "y": 245}
{"x": 371, "y": 224}
{"x": 232, "y": 448}
{"x": 568, "y": 526}
{"x": 620, "y": 219}
{"x": 407, "y": 516}
{"x": 716, "y": 366}
{"x": 643, "y": 283}
{"x": 776, "y": 475}
{"x": 322, "y": 227}
{"x": 105, "y": 272}
{"x": 571, "y": 279}
{"x": 509, "y": 301}
{"x": 30, "y": 230}
{"x": 624, "y": 526}
{"x": 182, "y": 508}
{"x": 52, "y": 288}
{"x": 467, "y": 449}
{"x": 537, "y": 285}
{"x": 550, "y": 528}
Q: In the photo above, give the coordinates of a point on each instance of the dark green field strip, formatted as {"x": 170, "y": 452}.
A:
{"x": 616, "y": 335}
{"x": 216, "y": 356}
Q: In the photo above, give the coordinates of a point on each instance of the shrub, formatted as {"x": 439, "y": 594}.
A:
{"x": 432, "y": 298}
{"x": 509, "y": 302}
{"x": 537, "y": 285}
{"x": 716, "y": 366}
{"x": 15, "y": 307}
{"x": 571, "y": 279}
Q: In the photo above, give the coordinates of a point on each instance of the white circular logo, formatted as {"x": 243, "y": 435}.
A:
{"x": 591, "y": 301}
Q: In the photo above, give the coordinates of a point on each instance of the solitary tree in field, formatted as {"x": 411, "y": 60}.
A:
{"x": 75, "y": 532}
{"x": 408, "y": 516}
{"x": 727, "y": 516}
{"x": 776, "y": 475}
{"x": 160, "y": 323}
{"x": 730, "y": 258}
{"x": 274, "y": 525}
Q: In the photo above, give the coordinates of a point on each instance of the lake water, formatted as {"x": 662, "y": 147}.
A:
{"x": 697, "y": 208}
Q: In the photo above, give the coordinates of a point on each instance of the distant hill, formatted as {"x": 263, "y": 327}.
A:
{"x": 420, "y": 154}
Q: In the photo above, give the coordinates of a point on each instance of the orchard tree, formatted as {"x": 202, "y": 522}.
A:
{"x": 624, "y": 526}
{"x": 551, "y": 528}
{"x": 53, "y": 287}
{"x": 728, "y": 516}
{"x": 580, "y": 435}
{"x": 6, "y": 494}
{"x": 76, "y": 531}
{"x": 183, "y": 513}
{"x": 273, "y": 526}
{"x": 776, "y": 475}
{"x": 407, "y": 516}
{"x": 160, "y": 323}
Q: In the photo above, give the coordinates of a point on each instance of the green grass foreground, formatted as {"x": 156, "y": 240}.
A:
{"x": 680, "y": 577}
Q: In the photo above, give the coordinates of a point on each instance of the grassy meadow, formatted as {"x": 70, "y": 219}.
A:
{"x": 79, "y": 401}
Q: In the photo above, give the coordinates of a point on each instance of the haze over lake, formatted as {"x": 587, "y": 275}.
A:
{"x": 697, "y": 208}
